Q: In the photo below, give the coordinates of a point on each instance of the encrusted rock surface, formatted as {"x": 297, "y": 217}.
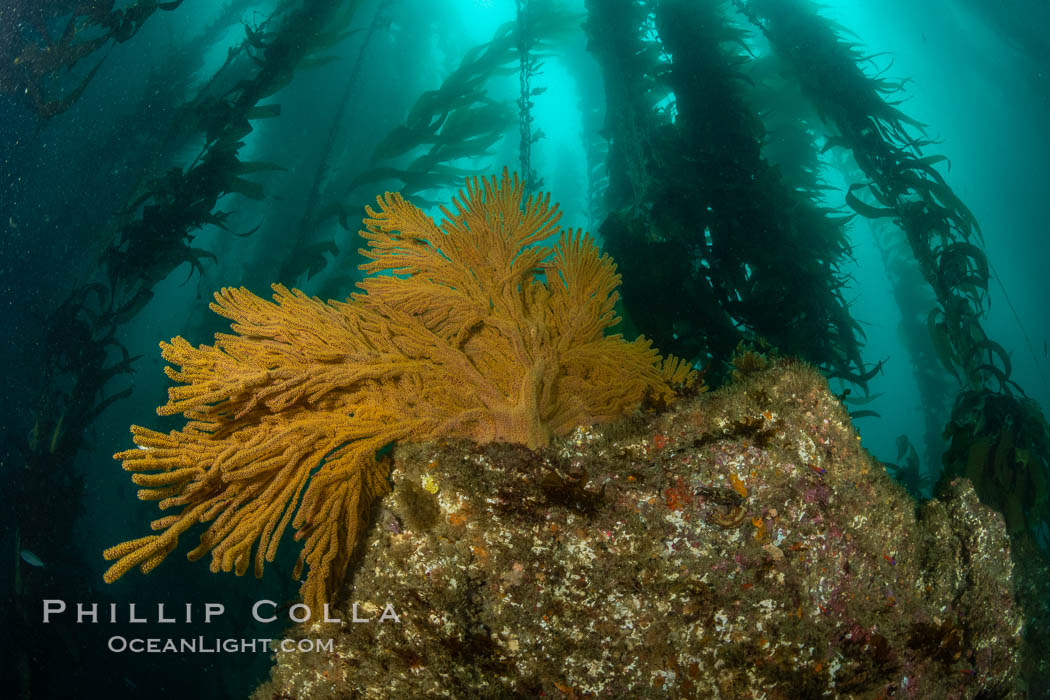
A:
{"x": 742, "y": 545}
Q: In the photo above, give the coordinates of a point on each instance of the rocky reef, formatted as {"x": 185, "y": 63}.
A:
{"x": 741, "y": 545}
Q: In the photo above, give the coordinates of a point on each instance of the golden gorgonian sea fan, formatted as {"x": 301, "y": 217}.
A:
{"x": 475, "y": 331}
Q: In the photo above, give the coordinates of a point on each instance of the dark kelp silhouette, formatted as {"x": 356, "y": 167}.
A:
{"x": 943, "y": 234}
{"x": 691, "y": 196}
{"x": 307, "y": 256}
{"x": 997, "y": 436}
{"x": 528, "y": 68}
{"x": 459, "y": 119}
{"x": 32, "y": 59}
{"x": 151, "y": 237}
{"x": 934, "y": 384}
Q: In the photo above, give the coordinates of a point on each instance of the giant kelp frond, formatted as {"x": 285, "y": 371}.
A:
{"x": 1001, "y": 443}
{"x": 459, "y": 119}
{"x": 695, "y": 197}
{"x": 997, "y": 436}
{"x": 481, "y": 332}
{"x": 32, "y": 60}
{"x": 834, "y": 76}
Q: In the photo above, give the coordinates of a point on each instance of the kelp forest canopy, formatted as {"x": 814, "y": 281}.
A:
{"x": 726, "y": 153}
